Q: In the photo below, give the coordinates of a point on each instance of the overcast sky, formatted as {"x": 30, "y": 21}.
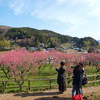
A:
{"x": 76, "y": 18}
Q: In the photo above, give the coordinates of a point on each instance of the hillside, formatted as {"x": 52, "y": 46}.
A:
{"x": 26, "y": 36}
{"x": 4, "y": 29}
{"x": 32, "y": 37}
{"x": 29, "y": 32}
{"x": 87, "y": 41}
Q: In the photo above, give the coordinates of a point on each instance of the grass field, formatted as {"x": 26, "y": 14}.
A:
{"x": 45, "y": 72}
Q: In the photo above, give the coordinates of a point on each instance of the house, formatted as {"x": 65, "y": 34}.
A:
{"x": 7, "y": 48}
{"x": 32, "y": 48}
{"x": 97, "y": 51}
{"x": 50, "y": 49}
{"x": 41, "y": 44}
{"x": 77, "y": 48}
{"x": 24, "y": 48}
{"x": 4, "y": 48}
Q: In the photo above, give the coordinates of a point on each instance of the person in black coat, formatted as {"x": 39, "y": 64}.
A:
{"x": 77, "y": 79}
{"x": 61, "y": 79}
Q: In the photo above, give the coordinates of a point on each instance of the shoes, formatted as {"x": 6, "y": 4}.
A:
{"x": 61, "y": 92}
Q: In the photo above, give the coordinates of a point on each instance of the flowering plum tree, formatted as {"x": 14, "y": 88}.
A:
{"x": 18, "y": 64}
{"x": 95, "y": 60}
{"x": 70, "y": 59}
{"x": 40, "y": 58}
{"x": 22, "y": 64}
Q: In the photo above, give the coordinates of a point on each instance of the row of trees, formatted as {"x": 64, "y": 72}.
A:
{"x": 22, "y": 64}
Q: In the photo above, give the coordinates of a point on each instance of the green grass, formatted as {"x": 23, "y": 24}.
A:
{"x": 1, "y": 52}
{"x": 91, "y": 70}
{"x": 45, "y": 72}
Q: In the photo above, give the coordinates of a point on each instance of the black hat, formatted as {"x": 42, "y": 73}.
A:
{"x": 81, "y": 64}
{"x": 62, "y": 63}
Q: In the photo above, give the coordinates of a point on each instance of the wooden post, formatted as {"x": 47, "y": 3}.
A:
{"x": 99, "y": 79}
{"x": 99, "y": 82}
{"x": 87, "y": 85}
{"x": 68, "y": 82}
{"x": 95, "y": 80}
{"x": 3, "y": 86}
{"x": 29, "y": 84}
{"x": 50, "y": 83}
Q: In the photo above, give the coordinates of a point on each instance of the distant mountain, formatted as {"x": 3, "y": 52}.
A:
{"x": 87, "y": 41}
{"x": 33, "y": 37}
{"x": 26, "y": 36}
{"x": 28, "y": 32}
{"x": 99, "y": 41}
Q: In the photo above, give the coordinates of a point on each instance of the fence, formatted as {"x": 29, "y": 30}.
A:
{"x": 96, "y": 79}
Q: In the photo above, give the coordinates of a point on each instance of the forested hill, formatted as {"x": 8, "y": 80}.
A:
{"x": 4, "y": 29}
{"x": 33, "y": 37}
{"x": 26, "y": 32}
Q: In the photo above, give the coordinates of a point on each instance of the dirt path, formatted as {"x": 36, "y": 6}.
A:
{"x": 48, "y": 95}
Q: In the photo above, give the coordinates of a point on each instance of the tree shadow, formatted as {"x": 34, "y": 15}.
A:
{"x": 53, "y": 98}
{"x": 37, "y": 94}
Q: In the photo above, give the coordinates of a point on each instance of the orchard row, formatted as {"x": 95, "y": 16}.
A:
{"x": 22, "y": 64}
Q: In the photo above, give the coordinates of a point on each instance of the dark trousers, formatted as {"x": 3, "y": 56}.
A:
{"x": 77, "y": 91}
{"x": 62, "y": 86}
